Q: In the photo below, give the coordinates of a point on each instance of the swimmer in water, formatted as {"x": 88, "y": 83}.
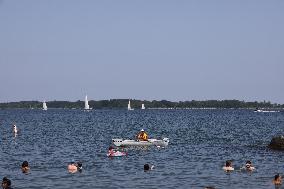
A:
{"x": 74, "y": 167}
{"x": 6, "y": 183}
{"x": 113, "y": 153}
{"x": 249, "y": 166}
{"x": 277, "y": 179}
{"x": 15, "y": 129}
{"x": 147, "y": 167}
{"x": 25, "y": 167}
{"x": 228, "y": 166}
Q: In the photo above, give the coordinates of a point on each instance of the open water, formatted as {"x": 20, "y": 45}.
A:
{"x": 200, "y": 143}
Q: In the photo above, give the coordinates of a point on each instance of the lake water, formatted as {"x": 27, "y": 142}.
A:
{"x": 200, "y": 143}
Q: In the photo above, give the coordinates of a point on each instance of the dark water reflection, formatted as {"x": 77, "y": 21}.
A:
{"x": 200, "y": 142}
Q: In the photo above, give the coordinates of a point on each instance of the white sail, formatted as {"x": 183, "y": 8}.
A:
{"x": 129, "y": 106}
{"x": 143, "y": 107}
{"x": 87, "y": 107}
{"x": 44, "y": 106}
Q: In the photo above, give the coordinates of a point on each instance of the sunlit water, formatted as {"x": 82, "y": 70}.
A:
{"x": 200, "y": 142}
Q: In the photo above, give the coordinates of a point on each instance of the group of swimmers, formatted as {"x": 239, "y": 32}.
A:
{"x": 73, "y": 167}
{"x": 7, "y": 184}
{"x": 229, "y": 167}
{"x": 249, "y": 167}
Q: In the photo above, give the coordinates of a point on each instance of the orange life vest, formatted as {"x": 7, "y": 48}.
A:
{"x": 143, "y": 136}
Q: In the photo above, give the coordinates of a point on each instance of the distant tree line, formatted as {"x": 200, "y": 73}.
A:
{"x": 122, "y": 103}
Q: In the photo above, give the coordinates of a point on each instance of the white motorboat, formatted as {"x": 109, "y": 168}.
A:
{"x": 143, "y": 107}
{"x": 151, "y": 142}
{"x": 266, "y": 111}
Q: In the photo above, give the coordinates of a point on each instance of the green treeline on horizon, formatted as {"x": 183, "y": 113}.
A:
{"x": 122, "y": 103}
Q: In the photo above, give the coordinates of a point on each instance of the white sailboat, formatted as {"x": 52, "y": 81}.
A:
{"x": 87, "y": 107}
{"x": 143, "y": 107}
{"x": 129, "y": 106}
{"x": 44, "y": 106}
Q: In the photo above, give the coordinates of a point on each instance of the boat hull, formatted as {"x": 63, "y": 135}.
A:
{"x": 151, "y": 142}
{"x": 267, "y": 111}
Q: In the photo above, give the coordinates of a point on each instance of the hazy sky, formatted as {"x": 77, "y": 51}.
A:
{"x": 173, "y": 50}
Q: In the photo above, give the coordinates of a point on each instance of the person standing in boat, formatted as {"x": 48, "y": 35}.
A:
{"x": 142, "y": 136}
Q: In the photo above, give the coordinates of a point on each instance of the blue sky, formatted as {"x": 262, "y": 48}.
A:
{"x": 173, "y": 50}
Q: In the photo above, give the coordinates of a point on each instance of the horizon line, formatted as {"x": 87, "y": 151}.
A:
{"x": 265, "y": 101}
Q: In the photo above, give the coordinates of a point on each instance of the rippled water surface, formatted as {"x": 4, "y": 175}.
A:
{"x": 200, "y": 142}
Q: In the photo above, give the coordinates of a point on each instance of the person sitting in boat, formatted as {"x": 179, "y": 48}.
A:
{"x": 142, "y": 136}
{"x": 228, "y": 166}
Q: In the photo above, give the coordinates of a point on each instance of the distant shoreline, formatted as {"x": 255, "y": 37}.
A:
{"x": 136, "y": 104}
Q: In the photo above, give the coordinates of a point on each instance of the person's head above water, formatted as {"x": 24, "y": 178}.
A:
{"x": 25, "y": 167}
{"x": 248, "y": 164}
{"x": 25, "y": 164}
{"x": 228, "y": 163}
{"x": 111, "y": 148}
{"x": 73, "y": 167}
{"x": 15, "y": 128}
{"x": 146, "y": 167}
{"x": 6, "y": 183}
{"x": 228, "y": 166}
{"x": 277, "y": 179}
